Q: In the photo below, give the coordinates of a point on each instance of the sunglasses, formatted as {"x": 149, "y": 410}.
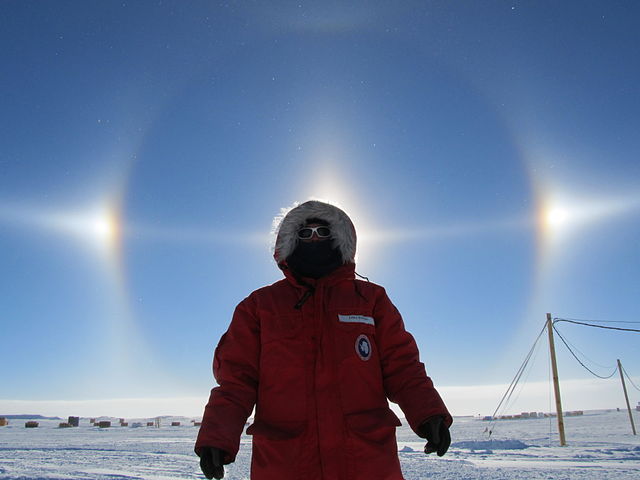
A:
{"x": 307, "y": 232}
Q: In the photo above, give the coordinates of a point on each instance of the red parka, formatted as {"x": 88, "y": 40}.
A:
{"x": 319, "y": 368}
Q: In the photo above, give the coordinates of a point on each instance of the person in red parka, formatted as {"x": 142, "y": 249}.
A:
{"x": 318, "y": 354}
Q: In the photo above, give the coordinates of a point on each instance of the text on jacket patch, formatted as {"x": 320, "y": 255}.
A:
{"x": 356, "y": 319}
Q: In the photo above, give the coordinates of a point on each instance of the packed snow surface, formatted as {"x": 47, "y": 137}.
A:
{"x": 600, "y": 446}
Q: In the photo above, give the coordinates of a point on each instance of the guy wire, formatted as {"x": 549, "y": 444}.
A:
{"x": 629, "y": 378}
{"x": 515, "y": 380}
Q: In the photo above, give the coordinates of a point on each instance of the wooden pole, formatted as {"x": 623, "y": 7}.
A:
{"x": 556, "y": 383}
{"x": 626, "y": 397}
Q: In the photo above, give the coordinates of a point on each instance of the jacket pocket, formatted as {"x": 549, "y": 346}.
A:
{"x": 372, "y": 420}
{"x": 276, "y": 449}
{"x": 371, "y": 445}
{"x": 279, "y": 431}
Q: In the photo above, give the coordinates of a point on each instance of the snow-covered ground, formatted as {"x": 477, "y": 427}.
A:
{"x": 600, "y": 446}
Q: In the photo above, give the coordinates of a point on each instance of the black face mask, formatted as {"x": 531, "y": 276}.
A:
{"x": 314, "y": 259}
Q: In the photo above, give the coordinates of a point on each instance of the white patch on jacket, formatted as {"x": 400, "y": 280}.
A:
{"x": 287, "y": 224}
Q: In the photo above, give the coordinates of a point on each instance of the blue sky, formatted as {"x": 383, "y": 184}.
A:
{"x": 486, "y": 151}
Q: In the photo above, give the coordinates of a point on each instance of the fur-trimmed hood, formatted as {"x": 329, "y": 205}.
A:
{"x": 287, "y": 224}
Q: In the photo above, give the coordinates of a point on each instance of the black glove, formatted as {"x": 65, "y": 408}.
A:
{"x": 437, "y": 435}
{"x": 211, "y": 462}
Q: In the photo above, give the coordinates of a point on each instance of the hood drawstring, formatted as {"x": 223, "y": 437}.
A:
{"x": 361, "y": 276}
{"x": 310, "y": 291}
{"x": 304, "y": 298}
{"x": 355, "y": 285}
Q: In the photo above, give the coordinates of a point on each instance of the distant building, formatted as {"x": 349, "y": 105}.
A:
{"x": 530, "y": 415}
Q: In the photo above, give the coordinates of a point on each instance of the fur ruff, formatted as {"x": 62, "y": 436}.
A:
{"x": 290, "y": 221}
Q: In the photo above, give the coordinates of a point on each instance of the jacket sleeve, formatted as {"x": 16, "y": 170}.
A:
{"x": 405, "y": 379}
{"x": 236, "y": 370}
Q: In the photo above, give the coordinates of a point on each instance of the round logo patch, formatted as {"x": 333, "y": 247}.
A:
{"x": 363, "y": 347}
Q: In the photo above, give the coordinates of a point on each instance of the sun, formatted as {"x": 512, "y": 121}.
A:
{"x": 330, "y": 186}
